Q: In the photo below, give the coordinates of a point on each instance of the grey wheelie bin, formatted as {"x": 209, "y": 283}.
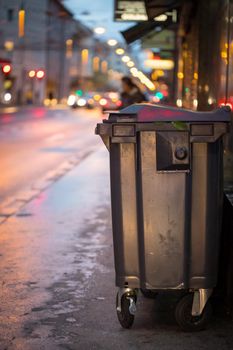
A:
{"x": 166, "y": 192}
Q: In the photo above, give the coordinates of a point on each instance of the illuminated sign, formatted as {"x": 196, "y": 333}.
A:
{"x": 135, "y": 11}
{"x": 130, "y": 10}
{"x": 159, "y": 64}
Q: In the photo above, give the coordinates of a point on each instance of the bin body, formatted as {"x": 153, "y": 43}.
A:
{"x": 166, "y": 193}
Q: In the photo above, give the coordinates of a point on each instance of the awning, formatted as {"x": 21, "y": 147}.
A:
{"x": 163, "y": 40}
{"x": 138, "y": 31}
{"x": 154, "y": 8}
{"x": 142, "y": 29}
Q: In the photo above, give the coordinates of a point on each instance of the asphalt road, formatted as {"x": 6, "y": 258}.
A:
{"x": 56, "y": 263}
{"x": 35, "y": 144}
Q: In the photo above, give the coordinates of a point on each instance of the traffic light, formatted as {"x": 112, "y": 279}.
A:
{"x": 6, "y": 68}
{"x": 79, "y": 92}
{"x": 40, "y": 74}
{"x": 32, "y": 73}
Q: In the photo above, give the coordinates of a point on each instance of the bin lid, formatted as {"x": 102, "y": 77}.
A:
{"x": 146, "y": 112}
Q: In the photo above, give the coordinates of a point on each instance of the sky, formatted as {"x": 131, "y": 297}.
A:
{"x": 95, "y": 13}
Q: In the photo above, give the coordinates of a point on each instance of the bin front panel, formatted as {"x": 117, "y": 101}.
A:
{"x": 124, "y": 213}
{"x": 162, "y": 228}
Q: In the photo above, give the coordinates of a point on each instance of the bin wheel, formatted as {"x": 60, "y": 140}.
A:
{"x": 125, "y": 318}
{"x": 149, "y": 293}
{"x": 184, "y": 318}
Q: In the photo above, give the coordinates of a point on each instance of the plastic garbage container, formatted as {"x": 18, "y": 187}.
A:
{"x": 166, "y": 193}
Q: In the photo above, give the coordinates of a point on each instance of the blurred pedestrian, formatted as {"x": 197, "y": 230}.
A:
{"x": 131, "y": 93}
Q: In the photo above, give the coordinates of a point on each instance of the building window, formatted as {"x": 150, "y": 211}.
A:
{"x": 10, "y": 15}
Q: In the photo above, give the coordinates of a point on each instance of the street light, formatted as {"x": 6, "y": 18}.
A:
{"x": 130, "y": 64}
{"x": 120, "y": 51}
{"x": 112, "y": 42}
{"x": 100, "y": 30}
{"x": 7, "y": 97}
{"x": 134, "y": 71}
{"x": 32, "y": 73}
{"x": 125, "y": 59}
{"x": 40, "y": 74}
{"x": 6, "y": 68}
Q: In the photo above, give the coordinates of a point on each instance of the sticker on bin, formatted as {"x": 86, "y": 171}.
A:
{"x": 123, "y": 130}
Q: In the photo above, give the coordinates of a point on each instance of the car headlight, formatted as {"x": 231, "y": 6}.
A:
{"x": 81, "y": 102}
{"x": 71, "y": 100}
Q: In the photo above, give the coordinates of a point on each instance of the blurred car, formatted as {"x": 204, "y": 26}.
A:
{"x": 72, "y": 101}
{"x": 103, "y": 100}
{"x": 110, "y": 101}
{"x": 75, "y": 101}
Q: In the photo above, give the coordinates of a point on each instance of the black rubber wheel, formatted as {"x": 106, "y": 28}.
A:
{"x": 184, "y": 318}
{"x": 125, "y": 318}
{"x": 149, "y": 293}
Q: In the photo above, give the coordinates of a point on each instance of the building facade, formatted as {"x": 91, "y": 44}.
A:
{"x": 54, "y": 43}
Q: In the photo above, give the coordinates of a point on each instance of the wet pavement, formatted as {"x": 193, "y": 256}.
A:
{"x": 57, "y": 276}
{"x": 56, "y": 236}
{"x": 37, "y": 146}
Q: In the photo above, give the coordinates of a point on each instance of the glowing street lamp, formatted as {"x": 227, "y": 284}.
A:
{"x": 32, "y": 73}
{"x": 120, "y": 51}
{"x": 134, "y": 71}
{"x": 125, "y": 59}
{"x": 40, "y": 74}
{"x": 130, "y": 64}
{"x": 100, "y": 30}
{"x": 6, "y": 68}
{"x": 112, "y": 42}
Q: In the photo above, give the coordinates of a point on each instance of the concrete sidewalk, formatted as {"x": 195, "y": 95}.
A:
{"x": 57, "y": 276}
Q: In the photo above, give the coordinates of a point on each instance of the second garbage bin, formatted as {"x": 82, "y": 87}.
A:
{"x": 166, "y": 192}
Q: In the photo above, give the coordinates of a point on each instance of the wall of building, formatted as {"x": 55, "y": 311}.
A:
{"x": 53, "y": 42}
{"x": 48, "y": 26}
{"x": 27, "y": 52}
